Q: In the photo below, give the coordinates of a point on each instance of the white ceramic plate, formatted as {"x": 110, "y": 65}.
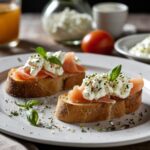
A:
{"x": 77, "y": 135}
{"x": 123, "y": 46}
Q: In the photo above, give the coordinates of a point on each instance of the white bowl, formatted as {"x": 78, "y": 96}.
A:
{"x": 123, "y": 46}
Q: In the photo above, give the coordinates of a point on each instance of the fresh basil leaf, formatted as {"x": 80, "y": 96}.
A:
{"x": 31, "y": 103}
{"x": 21, "y": 104}
{"x": 41, "y": 51}
{"x": 32, "y": 117}
{"x": 115, "y": 73}
{"x": 54, "y": 60}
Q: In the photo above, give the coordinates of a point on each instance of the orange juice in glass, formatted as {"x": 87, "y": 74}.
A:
{"x": 9, "y": 22}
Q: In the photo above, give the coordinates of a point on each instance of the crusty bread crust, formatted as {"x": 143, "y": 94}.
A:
{"x": 91, "y": 112}
{"x": 41, "y": 87}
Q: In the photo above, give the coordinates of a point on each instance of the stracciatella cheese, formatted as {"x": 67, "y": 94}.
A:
{"x": 67, "y": 25}
{"x": 36, "y": 63}
{"x": 142, "y": 49}
{"x": 97, "y": 86}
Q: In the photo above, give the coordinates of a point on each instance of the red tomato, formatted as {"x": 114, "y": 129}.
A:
{"x": 98, "y": 41}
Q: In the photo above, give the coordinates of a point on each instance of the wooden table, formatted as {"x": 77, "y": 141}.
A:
{"x": 32, "y": 35}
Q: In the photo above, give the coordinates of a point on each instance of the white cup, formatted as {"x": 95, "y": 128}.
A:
{"x": 110, "y": 17}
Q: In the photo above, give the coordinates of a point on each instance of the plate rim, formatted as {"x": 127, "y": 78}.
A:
{"x": 126, "y": 53}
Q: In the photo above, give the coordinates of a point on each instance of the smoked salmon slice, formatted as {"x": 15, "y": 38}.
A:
{"x": 138, "y": 84}
{"x": 24, "y": 74}
{"x": 76, "y": 97}
{"x": 70, "y": 65}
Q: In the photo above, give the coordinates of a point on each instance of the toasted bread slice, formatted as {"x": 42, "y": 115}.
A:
{"x": 91, "y": 112}
{"x": 41, "y": 87}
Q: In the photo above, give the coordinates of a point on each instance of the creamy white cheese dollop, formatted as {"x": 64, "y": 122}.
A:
{"x": 67, "y": 25}
{"x": 98, "y": 85}
{"x": 36, "y": 63}
{"x": 142, "y": 49}
{"x": 53, "y": 68}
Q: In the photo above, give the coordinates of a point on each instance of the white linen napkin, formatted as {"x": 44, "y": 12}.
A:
{"x": 10, "y": 144}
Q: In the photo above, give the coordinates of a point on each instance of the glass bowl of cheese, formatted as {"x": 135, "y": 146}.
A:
{"x": 67, "y": 21}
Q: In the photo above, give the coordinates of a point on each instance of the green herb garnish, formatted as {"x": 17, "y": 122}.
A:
{"x": 52, "y": 59}
{"x": 114, "y": 73}
{"x": 83, "y": 130}
{"x": 29, "y": 104}
{"x": 14, "y": 113}
{"x": 41, "y": 51}
{"x": 21, "y": 104}
{"x": 32, "y": 116}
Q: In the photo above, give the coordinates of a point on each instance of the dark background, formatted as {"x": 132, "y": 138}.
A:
{"x": 135, "y": 6}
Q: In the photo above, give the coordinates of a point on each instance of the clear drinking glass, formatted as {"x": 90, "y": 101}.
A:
{"x": 10, "y": 11}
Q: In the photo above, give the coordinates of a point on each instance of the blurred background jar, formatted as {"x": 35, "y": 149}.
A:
{"x": 9, "y": 22}
{"x": 67, "y": 21}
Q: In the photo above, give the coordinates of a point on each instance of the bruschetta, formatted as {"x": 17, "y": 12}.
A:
{"x": 101, "y": 97}
{"x": 45, "y": 74}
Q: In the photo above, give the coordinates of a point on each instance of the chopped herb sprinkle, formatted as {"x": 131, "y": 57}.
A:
{"x": 14, "y": 113}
